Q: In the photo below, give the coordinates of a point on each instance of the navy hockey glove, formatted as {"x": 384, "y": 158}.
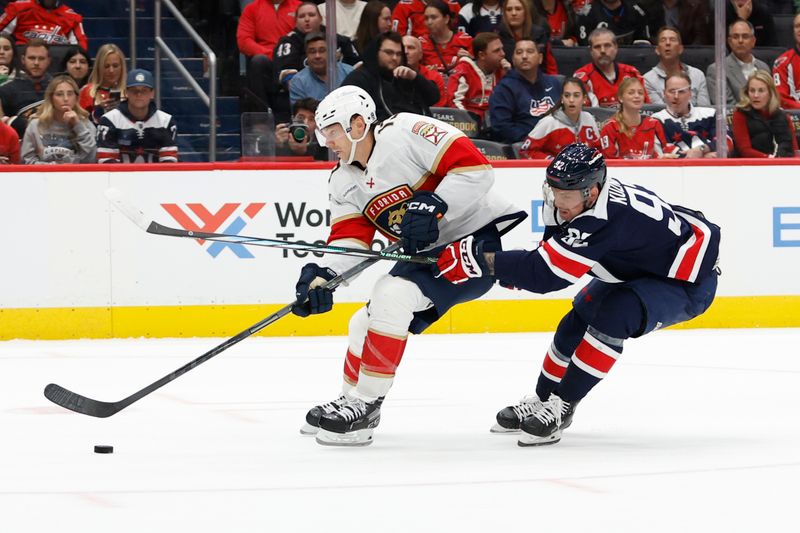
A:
{"x": 314, "y": 299}
{"x": 420, "y": 224}
{"x": 461, "y": 261}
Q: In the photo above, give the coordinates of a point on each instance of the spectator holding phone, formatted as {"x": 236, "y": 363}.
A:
{"x": 106, "y": 87}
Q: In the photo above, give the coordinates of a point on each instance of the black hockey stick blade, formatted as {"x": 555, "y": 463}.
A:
{"x": 80, "y": 404}
{"x": 87, "y": 406}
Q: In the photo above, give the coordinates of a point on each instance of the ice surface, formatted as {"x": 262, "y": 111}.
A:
{"x": 692, "y": 431}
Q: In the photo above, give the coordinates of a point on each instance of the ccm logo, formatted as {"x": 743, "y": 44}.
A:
{"x": 421, "y": 206}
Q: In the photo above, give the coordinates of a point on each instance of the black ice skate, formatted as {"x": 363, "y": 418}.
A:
{"x": 545, "y": 425}
{"x": 312, "y": 417}
{"x": 351, "y": 424}
{"x": 509, "y": 418}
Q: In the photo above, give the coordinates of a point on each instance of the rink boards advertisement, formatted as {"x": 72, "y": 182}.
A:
{"x": 75, "y": 267}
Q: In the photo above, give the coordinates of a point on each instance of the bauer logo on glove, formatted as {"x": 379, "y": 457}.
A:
{"x": 461, "y": 261}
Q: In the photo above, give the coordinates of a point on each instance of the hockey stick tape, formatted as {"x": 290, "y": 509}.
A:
{"x": 118, "y": 200}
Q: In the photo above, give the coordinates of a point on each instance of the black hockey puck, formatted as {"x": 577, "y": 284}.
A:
{"x": 101, "y": 448}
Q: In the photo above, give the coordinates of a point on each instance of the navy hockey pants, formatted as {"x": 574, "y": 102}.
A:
{"x": 589, "y": 339}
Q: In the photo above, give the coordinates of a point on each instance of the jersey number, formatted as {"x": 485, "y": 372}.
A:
{"x": 653, "y": 207}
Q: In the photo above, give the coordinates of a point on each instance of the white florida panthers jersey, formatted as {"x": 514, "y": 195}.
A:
{"x": 413, "y": 153}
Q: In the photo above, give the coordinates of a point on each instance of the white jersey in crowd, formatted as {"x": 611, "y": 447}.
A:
{"x": 412, "y": 153}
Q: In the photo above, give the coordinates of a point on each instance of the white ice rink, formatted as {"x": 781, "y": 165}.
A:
{"x": 692, "y": 431}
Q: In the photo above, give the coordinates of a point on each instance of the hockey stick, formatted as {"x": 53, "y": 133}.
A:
{"x": 151, "y": 226}
{"x": 87, "y": 406}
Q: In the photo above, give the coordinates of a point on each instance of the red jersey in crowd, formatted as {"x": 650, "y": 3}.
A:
{"x": 602, "y": 91}
{"x": 27, "y": 20}
{"x": 555, "y": 131}
{"x": 469, "y": 87}
{"x": 443, "y": 57}
{"x": 408, "y": 17}
{"x": 9, "y": 144}
{"x": 786, "y": 71}
{"x": 646, "y": 141}
{"x": 262, "y": 25}
{"x": 434, "y": 76}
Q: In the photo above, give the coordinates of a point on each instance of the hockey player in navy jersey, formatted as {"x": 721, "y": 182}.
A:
{"x": 653, "y": 264}
{"x": 409, "y": 177}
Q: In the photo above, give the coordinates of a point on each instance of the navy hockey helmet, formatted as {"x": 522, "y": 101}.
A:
{"x": 577, "y": 167}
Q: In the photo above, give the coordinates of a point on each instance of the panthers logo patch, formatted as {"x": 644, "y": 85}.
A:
{"x": 386, "y": 210}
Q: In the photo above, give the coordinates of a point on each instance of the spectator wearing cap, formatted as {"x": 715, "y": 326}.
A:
{"x": 669, "y": 49}
{"x": 312, "y": 81}
{"x": 739, "y": 64}
{"x": 136, "y": 131}
{"x": 49, "y": 20}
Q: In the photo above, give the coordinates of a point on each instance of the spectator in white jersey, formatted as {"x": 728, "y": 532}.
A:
{"x": 61, "y": 131}
{"x": 136, "y": 131}
{"x": 669, "y": 49}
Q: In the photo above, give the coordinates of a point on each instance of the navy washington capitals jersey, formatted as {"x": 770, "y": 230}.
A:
{"x": 629, "y": 233}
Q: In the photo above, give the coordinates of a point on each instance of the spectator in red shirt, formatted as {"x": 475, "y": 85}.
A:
{"x": 631, "y": 135}
{"x": 564, "y": 124}
{"x": 760, "y": 127}
{"x": 408, "y": 16}
{"x": 787, "y": 72}
{"x": 518, "y": 24}
{"x": 375, "y": 19}
{"x": 561, "y": 19}
{"x": 413, "y": 50}
{"x": 48, "y": 20}
{"x": 604, "y": 75}
{"x": 9, "y": 145}
{"x": 261, "y": 26}
{"x": 442, "y": 47}
{"x": 106, "y": 86}
{"x": 472, "y": 81}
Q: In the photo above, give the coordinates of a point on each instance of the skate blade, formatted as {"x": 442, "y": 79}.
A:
{"x": 526, "y": 439}
{"x": 362, "y": 437}
{"x": 497, "y": 428}
{"x": 308, "y": 429}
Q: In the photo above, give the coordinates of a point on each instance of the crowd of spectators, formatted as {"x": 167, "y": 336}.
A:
{"x": 492, "y": 60}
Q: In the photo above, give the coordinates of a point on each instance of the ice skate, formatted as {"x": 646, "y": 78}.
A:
{"x": 351, "y": 424}
{"x": 311, "y": 427}
{"x": 509, "y": 418}
{"x": 545, "y": 425}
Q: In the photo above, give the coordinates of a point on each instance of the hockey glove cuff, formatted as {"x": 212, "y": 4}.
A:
{"x": 420, "y": 225}
{"x": 461, "y": 261}
{"x": 312, "y": 299}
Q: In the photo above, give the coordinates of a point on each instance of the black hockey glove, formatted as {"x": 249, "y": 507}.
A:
{"x": 314, "y": 299}
{"x": 420, "y": 224}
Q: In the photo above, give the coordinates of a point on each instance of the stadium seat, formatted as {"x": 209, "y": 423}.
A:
{"x": 650, "y": 109}
{"x": 458, "y": 118}
{"x": 768, "y": 54}
{"x": 642, "y": 57}
{"x": 784, "y": 30}
{"x": 494, "y": 151}
{"x": 570, "y": 58}
{"x": 601, "y": 114}
{"x": 699, "y": 57}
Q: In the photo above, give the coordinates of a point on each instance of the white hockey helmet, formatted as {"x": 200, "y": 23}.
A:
{"x": 339, "y": 107}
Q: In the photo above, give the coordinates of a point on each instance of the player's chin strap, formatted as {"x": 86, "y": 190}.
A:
{"x": 354, "y": 143}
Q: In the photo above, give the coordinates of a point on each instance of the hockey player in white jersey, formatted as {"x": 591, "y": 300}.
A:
{"x": 409, "y": 177}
